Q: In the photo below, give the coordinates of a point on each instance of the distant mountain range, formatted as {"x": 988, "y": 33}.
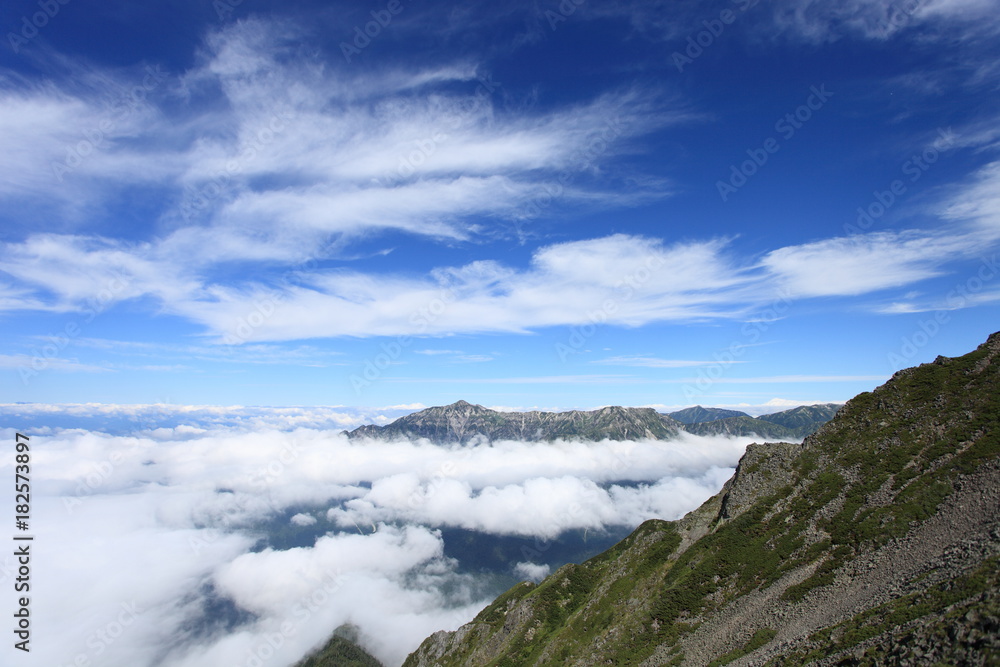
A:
{"x": 464, "y": 422}
{"x": 697, "y": 414}
{"x": 793, "y": 424}
{"x": 874, "y": 542}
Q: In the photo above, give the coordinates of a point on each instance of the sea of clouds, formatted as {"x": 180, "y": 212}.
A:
{"x": 148, "y": 546}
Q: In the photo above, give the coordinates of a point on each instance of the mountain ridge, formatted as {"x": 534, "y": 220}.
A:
{"x": 877, "y": 540}
{"x": 465, "y": 422}
{"x": 698, "y": 414}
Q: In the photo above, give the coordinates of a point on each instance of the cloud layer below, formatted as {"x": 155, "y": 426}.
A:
{"x": 150, "y": 542}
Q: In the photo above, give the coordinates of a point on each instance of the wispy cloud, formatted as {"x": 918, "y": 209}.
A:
{"x": 826, "y": 20}
{"x": 793, "y": 379}
{"x": 27, "y": 362}
{"x": 457, "y": 356}
{"x": 654, "y": 362}
{"x": 255, "y": 353}
{"x": 866, "y": 263}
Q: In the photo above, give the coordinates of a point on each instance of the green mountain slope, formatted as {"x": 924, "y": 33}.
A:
{"x": 341, "y": 651}
{"x": 745, "y": 427}
{"x": 697, "y": 414}
{"x": 874, "y": 542}
{"x": 805, "y": 419}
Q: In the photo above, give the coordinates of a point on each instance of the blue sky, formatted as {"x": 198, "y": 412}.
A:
{"x": 519, "y": 204}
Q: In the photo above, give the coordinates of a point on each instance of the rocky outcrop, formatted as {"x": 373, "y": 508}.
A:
{"x": 876, "y": 541}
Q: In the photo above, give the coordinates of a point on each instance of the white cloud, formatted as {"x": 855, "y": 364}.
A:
{"x": 532, "y": 571}
{"x": 498, "y": 489}
{"x": 955, "y": 300}
{"x": 825, "y": 20}
{"x": 165, "y": 421}
{"x": 653, "y": 362}
{"x": 782, "y": 379}
{"x": 979, "y": 202}
{"x": 189, "y": 504}
{"x": 865, "y": 263}
{"x": 353, "y": 155}
{"x": 35, "y": 364}
{"x": 620, "y": 279}
{"x": 276, "y": 160}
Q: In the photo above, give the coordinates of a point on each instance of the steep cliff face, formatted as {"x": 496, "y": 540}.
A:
{"x": 875, "y": 541}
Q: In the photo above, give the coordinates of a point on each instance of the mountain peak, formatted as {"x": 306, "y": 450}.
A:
{"x": 697, "y": 414}
{"x": 464, "y": 422}
{"x": 878, "y": 538}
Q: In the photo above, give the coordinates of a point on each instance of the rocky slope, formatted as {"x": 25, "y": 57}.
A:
{"x": 463, "y": 422}
{"x": 876, "y": 541}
